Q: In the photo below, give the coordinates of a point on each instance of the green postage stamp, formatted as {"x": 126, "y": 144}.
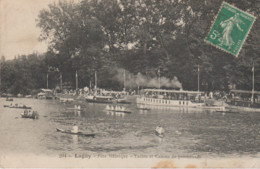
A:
{"x": 230, "y": 29}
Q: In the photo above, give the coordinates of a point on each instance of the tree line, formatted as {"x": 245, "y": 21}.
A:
{"x": 150, "y": 37}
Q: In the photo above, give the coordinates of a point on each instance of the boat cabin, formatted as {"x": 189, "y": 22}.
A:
{"x": 45, "y": 94}
{"x": 244, "y": 98}
{"x": 194, "y": 96}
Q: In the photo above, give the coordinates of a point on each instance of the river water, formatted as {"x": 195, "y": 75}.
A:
{"x": 188, "y": 132}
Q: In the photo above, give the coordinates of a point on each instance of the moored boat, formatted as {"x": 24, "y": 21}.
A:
{"x": 244, "y": 101}
{"x": 99, "y": 99}
{"x": 123, "y": 101}
{"x": 9, "y": 99}
{"x": 119, "y": 96}
{"x": 65, "y": 100}
{"x": 175, "y": 98}
{"x": 45, "y": 94}
{"x": 98, "y": 96}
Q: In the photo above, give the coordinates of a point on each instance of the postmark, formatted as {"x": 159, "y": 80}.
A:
{"x": 230, "y": 29}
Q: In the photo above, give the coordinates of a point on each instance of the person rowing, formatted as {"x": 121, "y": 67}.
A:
{"x": 117, "y": 108}
{"x": 75, "y": 129}
{"x": 159, "y": 130}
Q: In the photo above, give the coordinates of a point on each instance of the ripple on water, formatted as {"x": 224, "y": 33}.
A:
{"x": 186, "y": 131}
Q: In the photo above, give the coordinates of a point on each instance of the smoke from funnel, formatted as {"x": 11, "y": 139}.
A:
{"x": 132, "y": 80}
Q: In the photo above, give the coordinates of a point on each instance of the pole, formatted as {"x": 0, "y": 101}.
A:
{"x": 76, "y": 80}
{"x": 61, "y": 82}
{"x": 159, "y": 78}
{"x": 253, "y": 81}
{"x": 95, "y": 79}
{"x": 124, "y": 81}
{"x": 198, "y": 77}
{"x": 47, "y": 81}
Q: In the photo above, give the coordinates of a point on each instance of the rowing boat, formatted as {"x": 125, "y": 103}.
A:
{"x": 20, "y": 107}
{"x": 120, "y": 111}
{"x": 143, "y": 108}
{"x": 31, "y": 115}
{"x": 226, "y": 111}
{"x": 78, "y": 133}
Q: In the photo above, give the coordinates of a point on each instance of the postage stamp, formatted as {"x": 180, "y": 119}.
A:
{"x": 230, "y": 29}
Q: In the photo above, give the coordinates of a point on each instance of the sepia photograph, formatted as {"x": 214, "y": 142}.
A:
{"x": 129, "y": 84}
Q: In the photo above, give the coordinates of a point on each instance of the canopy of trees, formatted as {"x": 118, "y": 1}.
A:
{"x": 142, "y": 37}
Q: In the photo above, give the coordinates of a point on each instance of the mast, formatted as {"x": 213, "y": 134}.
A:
{"x": 47, "y": 80}
{"x": 159, "y": 78}
{"x": 61, "y": 82}
{"x": 76, "y": 80}
{"x": 253, "y": 81}
{"x": 95, "y": 79}
{"x": 124, "y": 80}
{"x": 198, "y": 77}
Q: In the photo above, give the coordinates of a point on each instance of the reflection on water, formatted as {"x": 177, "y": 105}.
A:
{"x": 187, "y": 130}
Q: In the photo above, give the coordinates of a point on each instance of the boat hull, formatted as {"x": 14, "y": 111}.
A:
{"x": 123, "y": 101}
{"x": 29, "y": 116}
{"x": 119, "y": 111}
{"x": 166, "y": 102}
{"x": 139, "y": 108}
{"x": 19, "y": 107}
{"x": 242, "y": 109}
{"x": 78, "y": 133}
{"x": 99, "y": 101}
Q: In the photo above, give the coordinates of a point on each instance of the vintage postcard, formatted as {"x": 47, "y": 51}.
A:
{"x": 129, "y": 84}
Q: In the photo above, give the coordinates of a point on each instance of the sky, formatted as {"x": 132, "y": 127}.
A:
{"x": 18, "y": 32}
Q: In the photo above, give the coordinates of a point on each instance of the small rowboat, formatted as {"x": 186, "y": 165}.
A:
{"x": 33, "y": 115}
{"x": 21, "y": 107}
{"x": 143, "y": 108}
{"x": 226, "y": 111}
{"x": 76, "y": 109}
{"x": 16, "y": 106}
{"x": 120, "y": 111}
{"x": 117, "y": 109}
{"x": 78, "y": 133}
{"x": 9, "y": 99}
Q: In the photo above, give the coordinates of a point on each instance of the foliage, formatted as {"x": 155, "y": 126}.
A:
{"x": 140, "y": 36}
{"x": 23, "y": 74}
